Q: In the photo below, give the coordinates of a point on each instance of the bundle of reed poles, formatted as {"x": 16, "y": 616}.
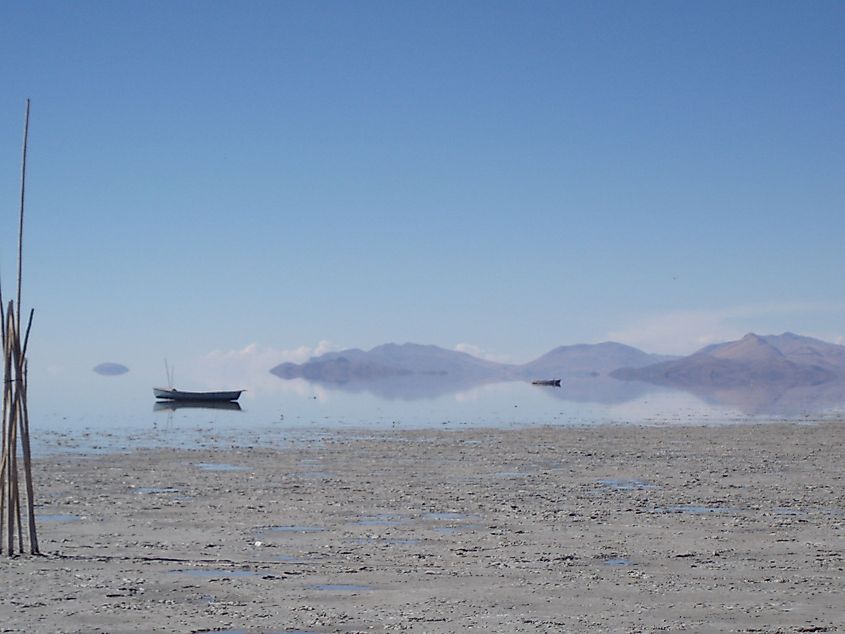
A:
{"x": 16, "y": 452}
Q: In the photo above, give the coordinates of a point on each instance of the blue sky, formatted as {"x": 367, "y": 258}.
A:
{"x": 505, "y": 176}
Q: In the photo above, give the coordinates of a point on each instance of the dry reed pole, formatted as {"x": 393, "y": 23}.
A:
{"x": 2, "y": 318}
{"x": 17, "y": 363}
{"x": 25, "y": 445}
{"x": 15, "y": 425}
{"x": 15, "y": 413}
{"x": 23, "y": 197}
{"x": 5, "y": 400}
{"x": 7, "y": 386}
{"x": 34, "y": 549}
{"x": 21, "y": 370}
{"x": 9, "y": 438}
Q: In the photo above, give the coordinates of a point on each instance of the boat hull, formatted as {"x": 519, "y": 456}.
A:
{"x": 179, "y": 395}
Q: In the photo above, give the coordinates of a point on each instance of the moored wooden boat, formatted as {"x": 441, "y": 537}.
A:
{"x": 170, "y": 394}
{"x": 551, "y": 382}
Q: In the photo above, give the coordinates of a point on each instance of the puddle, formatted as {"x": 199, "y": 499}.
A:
{"x": 58, "y": 517}
{"x": 213, "y": 572}
{"x": 380, "y": 520}
{"x": 695, "y": 509}
{"x": 397, "y": 541}
{"x": 219, "y": 466}
{"x": 832, "y": 510}
{"x": 511, "y": 474}
{"x": 627, "y": 485}
{"x": 447, "y": 516}
{"x": 289, "y": 559}
{"x": 617, "y": 562}
{"x": 294, "y": 529}
{"x": 154, "y": 490}
{"x": 340, "y": 587}
{"x": 451, "y": 530}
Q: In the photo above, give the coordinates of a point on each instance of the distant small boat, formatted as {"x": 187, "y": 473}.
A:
{"x": 551, "y": 382}
{"x": 170, "y": 394}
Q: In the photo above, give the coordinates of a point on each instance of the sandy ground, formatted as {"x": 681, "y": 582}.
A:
{"x": 607, "y": 529}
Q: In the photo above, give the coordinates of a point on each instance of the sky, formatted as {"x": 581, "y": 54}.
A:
{"x": 272, "y": 179}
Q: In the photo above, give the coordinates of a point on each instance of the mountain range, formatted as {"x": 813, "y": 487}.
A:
{"x": 785, "y": 373}
{"x": 786, "y": 360}
{"x": 409, "y": 359}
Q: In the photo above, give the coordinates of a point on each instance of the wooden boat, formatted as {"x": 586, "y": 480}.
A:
{"x": 551, "y": 382}
{"x": 170, "y": 394}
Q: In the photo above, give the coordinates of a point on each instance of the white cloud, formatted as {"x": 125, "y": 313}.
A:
{"x": 252, "y": 354}
{"x": 684, "y": 331}
{"x": 481, "y": 353}
{"x": 249, "y": 367}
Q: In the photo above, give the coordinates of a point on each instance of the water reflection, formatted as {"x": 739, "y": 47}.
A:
{"x": 774, "y": 399}
{"x": 172, "y": 406}
{"x": 756, "y": 400}
{"x": 405, "y": 387}
{"x": 65, "y": 418}
{"x": 580, "y": 389}
{"x": 601, "y": 389}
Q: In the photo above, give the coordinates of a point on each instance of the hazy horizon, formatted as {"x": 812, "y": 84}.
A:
{"x": 273, "y": 179}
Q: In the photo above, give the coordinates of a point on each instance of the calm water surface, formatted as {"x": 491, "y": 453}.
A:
{"x": 84, "y": 411}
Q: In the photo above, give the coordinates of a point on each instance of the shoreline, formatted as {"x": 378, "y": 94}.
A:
{"x": 527, "y": 529}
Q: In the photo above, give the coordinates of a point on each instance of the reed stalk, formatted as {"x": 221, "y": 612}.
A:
{"x": 23, "y": 198}
{"x": 15, "y": 412}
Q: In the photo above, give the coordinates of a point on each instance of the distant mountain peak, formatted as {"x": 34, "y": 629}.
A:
{"x": 751, "y": 347}
{"x": 786, "y": 359}
{"x": 406, "y": 359}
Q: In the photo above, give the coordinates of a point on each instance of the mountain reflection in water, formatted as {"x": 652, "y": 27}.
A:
{"x": 775, "y": 399}
{"x": 750, "y": 400}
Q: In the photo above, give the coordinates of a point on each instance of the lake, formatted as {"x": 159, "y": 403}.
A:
{"x": 79, "y": 410}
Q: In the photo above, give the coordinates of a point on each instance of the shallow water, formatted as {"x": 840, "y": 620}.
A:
{"x": 394, "y": 541}
{"x": 154, "y": 490}
{"x": 627, "y": 485}
{"x": 219, "y": 466}
{"x": 380, "y": 520}
{"x": 273, "y": 411}
{"x": 294, "y": 529}
{"x": 447, "y": 516}
{"x": 213, "y": 572}
{"x": 340, "y": 587}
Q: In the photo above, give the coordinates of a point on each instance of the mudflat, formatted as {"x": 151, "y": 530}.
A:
{"x": 735, "y": 528}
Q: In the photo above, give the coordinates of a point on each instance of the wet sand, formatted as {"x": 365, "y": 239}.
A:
{"x": 606, "y": 529}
